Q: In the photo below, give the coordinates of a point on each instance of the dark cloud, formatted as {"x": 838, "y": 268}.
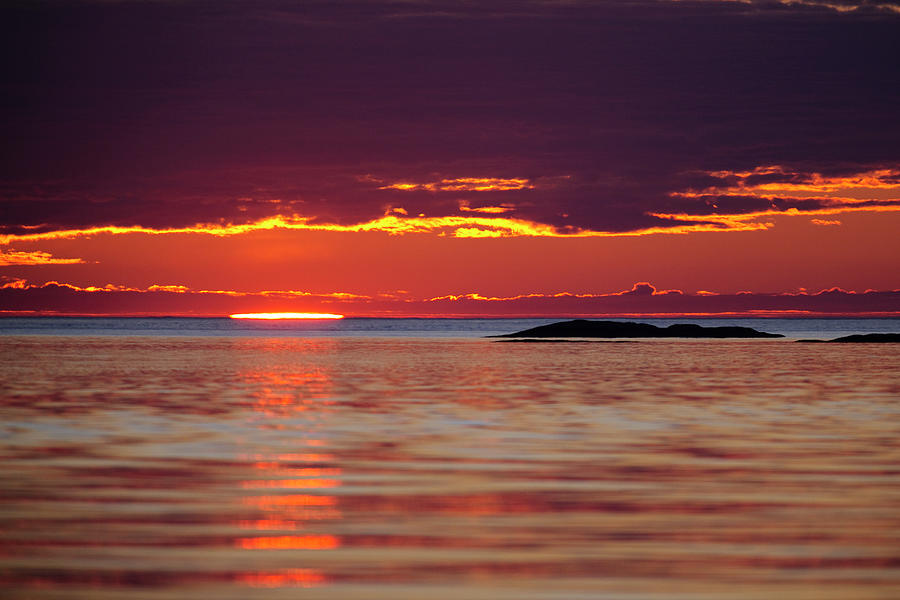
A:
{"x": 170, "y": 113}
{"x": 643, "y": 298}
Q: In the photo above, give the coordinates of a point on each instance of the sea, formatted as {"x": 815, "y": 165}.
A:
{"x": 167, "y": 458}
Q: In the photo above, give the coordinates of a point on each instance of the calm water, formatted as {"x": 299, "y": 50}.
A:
{"x": 348, "y": 466}
{"x": 198, "y": 327}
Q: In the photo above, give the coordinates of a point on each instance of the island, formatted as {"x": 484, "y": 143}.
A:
{"x": 581, "y": 328}
{"x": 868, "y": 338}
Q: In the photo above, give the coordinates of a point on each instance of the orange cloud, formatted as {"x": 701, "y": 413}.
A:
{"x": 643, "y": 299}
{"x": 14, "y": 283}
{"x": 745, "y": 221}
{"x": 397, "y": 224}
{"x": 785, "y": 181}
{"x": 638, "y": 289}
{"x": 463, "y": 184}
{"x": 34, "y": 258}
{"x": 22, "y": 284}
{"x": 874, "y": 190}
{"x": 495, "y": 210}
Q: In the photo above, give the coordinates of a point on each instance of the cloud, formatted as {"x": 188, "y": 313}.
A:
{"x": 397, "y": 222}
{"x": 12, "y": 257}
{"x": 774, "y": 180}
{"x": 839, "y": 6}
{"x": 22, "y": 284}
{"x": 578, "y": 116}
{"x": 734, "y": 197}
{"x": 464, "y": 184}
{"x": 643, "y": 299}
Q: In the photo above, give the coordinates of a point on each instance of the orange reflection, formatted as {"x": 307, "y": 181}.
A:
{"x": 289, "y": 542}
{"x": 303, "y": 394}
{"x": 273, "y": 502}
{"x": 299, "y": 472}
{"x": 301, "y": 457}
{"x": 283, "y": 392}
{"x": 289, "y": 577}
{"x": 292, "y": 483}
{"x": 271, "y": 524}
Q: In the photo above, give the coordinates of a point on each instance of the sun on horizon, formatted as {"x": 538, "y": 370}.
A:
{"x": 285, "y": 315}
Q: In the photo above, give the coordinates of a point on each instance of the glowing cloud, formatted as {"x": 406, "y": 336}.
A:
{"x": 728, "y": 201}
{"x": 642, "y": 299}
{"x": 22, "y": 284}
{"x": 777, "y": 180}
{"x": 490, "y": 210}
{"x": 35, "y": 258}
{"x": 399, "y": 224}
{"x": 463, "y": 184}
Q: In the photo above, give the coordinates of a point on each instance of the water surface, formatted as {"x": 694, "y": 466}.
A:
{"x": 408, "y": 467}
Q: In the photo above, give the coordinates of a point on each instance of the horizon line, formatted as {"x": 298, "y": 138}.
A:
{"x": 674, "y": 315}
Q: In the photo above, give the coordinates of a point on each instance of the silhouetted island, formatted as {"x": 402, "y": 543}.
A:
{"x": 868, "y": 338}
{"x": 581, "y": 328}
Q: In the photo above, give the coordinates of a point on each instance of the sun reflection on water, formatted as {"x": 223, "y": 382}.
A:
{"x": 284, "y": 578}
{"x": 282, "y": 395}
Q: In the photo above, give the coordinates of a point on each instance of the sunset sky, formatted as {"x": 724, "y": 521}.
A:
{"x": 416, "y": 158}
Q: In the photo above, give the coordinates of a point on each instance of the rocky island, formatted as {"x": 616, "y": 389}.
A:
{"x": 868, "y": 338}
{"x": 581, "y": 328}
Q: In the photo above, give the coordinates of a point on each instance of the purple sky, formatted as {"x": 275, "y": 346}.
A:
{"x": 173, "y": 113}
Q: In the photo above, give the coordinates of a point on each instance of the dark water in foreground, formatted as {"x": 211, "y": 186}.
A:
{"x": 411, "y": 467}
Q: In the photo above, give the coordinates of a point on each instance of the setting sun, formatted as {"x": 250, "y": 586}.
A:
{"x": 285, "y": 315}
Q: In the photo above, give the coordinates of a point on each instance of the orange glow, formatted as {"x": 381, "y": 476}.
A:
{"x": 270, "y": 524}
{"x": 289, "y": 577}
{"x": 289, "y": 542}
{"x": 297, "y": 472}
{"x": 410, "y": 275}
{"x": 286, "y": 315}
{"x": 304, "y": 457}
{"x": 293, "y": 511}
{"x": 292, "y": 483}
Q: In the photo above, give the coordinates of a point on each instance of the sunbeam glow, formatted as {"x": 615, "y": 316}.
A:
{"x": 286, "y": 315}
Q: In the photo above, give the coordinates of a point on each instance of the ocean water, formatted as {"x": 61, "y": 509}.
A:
{"x": 373, "y": 327}
{"x": 163, "y": 459}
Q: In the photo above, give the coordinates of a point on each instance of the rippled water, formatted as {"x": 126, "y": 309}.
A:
{"x": 223, "y": 467}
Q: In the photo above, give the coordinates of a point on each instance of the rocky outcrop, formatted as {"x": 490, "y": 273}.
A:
{"x": 581, "y": 328}
{"x": 868, "y": 338}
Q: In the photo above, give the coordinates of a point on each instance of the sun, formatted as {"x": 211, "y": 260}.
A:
{"x": 285, "y": 315}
